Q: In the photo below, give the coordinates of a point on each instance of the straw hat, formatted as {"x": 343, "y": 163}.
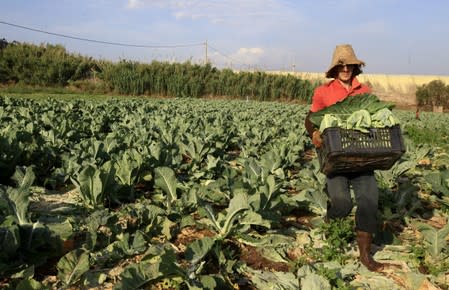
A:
{"x": 344, "y": 54}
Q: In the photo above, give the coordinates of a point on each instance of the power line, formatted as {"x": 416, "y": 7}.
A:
{"x": 206, "y": 44}
{"x": 100, "y": 41}
{"x": 226, "y": 56}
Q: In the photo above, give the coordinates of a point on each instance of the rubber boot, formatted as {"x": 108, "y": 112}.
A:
{"x": 364, "y": 240}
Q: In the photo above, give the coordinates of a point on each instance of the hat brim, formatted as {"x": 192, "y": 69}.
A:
{"x": 329, "y": 72}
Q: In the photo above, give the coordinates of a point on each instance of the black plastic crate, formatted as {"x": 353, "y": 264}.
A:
{"x": 346, "y": 150}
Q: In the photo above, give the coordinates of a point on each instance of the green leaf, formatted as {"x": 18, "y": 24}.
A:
{"x": 253, "y": 218}
{"x": 267, "y": 240}
{"x": 19, "y": 197}
{"x": 59, "y": 226}
{"x": 368, "y": 102}
{"x": 24, "y": 180}
{"x": 272, "y": 280}
{"x": 72, "y": 266}
{"x": 31, "y": 284}
{"x": 359, "y": 120}
{"x": 212, "y": 282}
{"x": 93, "y": 222}
{"x": 190, "y": 198}
{"x": 167, "y": 225}
{"x": 314, "y": 281}
{"x": 435, "y": 239}
{"x": 437, "y": 180}
{"x": 238, "y": 204}
{"x": 139, "y": 243}
{"x": 9, "y": 238}
{"x": 212, "y": 162}
{"x": 384, "y": 117}
{"x": 93, "y": 182}
{"x": 166, "y": 180}
{"x": 198, "y": 249}
{"x": 252, "y": 171}
{"x": 270, "y": 161}
{"x": 127, "y": 167}
{"x": 212, "y": 220}
{"x": 27, "y": 273}
{"x": 94, "y": 279}
{"x": 157, "y": 263}
{"x": 137, "y": 275}
{"x": 269, "y": 190}
{"x": 317, "y": 200}
{"x": 329, "y": 121}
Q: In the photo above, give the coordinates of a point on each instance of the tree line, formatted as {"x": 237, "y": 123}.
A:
{"x": 48, "y": 65}
{"x": 435, "y": 93}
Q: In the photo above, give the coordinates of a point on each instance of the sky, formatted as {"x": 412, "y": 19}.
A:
{"x": 390, "y": 36}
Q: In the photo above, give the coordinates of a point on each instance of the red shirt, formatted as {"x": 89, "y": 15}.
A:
{"x": 333, "y": 91}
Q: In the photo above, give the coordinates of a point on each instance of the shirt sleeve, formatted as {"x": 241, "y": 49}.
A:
{"x": 365, "y": 89}
{"x": 317, "y": 101}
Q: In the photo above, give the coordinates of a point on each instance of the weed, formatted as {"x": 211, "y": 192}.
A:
{"x": 338, "y": 233}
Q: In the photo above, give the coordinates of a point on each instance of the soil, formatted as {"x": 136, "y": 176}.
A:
{"x": 248, "y": 254}
{"x": 255, "y": 260}
{"x": 189, "y": 234}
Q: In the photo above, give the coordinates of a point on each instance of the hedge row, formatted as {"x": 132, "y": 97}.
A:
{"x": 44, "y": 65}
{"x": 51, "y": 65}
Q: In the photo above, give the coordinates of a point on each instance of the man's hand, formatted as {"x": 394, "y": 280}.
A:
{"x": 316, "y": 139}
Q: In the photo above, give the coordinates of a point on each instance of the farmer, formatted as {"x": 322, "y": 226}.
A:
{"x": 344, "y": 68}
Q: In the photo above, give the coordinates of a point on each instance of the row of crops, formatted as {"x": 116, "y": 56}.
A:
{"x": 195, "y": 194}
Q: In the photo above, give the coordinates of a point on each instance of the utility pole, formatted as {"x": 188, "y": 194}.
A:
{"x": 205, "y": 48}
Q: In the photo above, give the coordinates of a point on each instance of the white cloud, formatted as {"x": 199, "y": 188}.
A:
{"x": 185, "y": 15}
{"x": 243, "y": 51}
{"x": 241, "y": 58}
{"x": 132, "y": 4}
{"x": 244, "y": 31}
{"x": 229, "y": 11}
{"x": 248, "y": 56}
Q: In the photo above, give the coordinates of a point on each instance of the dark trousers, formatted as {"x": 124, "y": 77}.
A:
{"x": 366, "y": 194}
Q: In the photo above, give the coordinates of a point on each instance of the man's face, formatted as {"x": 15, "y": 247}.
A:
{"x": 344, "y": 72}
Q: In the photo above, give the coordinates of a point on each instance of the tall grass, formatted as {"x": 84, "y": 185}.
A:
{"x": 31, "y": 66}
{"x": 395, "y": 88}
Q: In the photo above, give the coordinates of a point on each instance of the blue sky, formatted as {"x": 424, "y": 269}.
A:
{"x": 391, "y": 36}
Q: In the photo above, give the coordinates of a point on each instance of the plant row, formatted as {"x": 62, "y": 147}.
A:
{"x": 192, "y": 194}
